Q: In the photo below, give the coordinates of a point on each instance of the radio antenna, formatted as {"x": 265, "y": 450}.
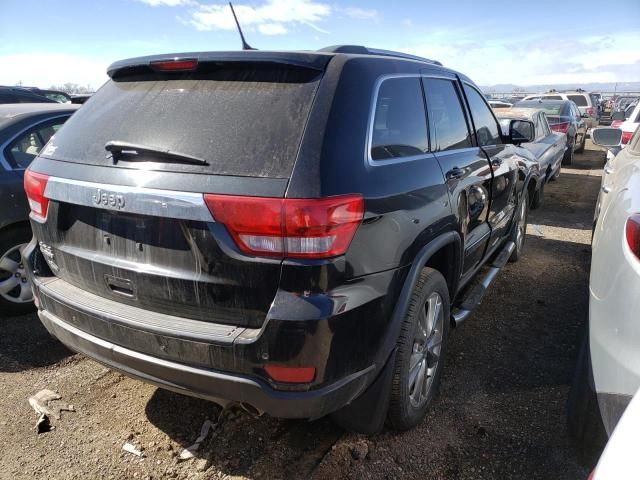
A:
{"x": 245, "y": 45}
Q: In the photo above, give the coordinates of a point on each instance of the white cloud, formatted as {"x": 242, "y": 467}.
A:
{"x": 535, "y": 61}
{"x": 272, "y": 29}
{"x": 167, "y": 3}
{"x": 270, "y": 17}
{"x": 44, "y": 70}
{"x": 360, "y": 13}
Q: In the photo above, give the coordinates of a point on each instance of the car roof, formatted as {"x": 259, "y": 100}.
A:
{"x": 14, "y": 112}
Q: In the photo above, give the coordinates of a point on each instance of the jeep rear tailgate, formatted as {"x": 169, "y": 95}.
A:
{"x": 135, "y": 227}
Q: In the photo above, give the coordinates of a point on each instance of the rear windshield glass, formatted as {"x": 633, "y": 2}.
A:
{"x": 580, "y": 100}
{"x": 242, "y": 121}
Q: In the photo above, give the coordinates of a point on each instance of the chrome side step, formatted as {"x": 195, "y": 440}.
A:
{"x": 472, "y": 299}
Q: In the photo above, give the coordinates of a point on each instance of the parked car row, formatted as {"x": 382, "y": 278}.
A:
{"x": 587, "y": 104}
{"x": 37, "y": 95}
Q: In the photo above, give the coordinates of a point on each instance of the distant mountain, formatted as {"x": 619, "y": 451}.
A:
{"x": 608, "y": 87}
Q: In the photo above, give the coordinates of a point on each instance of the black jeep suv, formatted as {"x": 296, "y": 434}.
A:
{"x": 293, "y": 231}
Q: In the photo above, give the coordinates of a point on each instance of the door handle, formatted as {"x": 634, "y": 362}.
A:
{"x": 608, "y": 170}
{"x": 606, "y": 189}
{"x": 455, "y": 172}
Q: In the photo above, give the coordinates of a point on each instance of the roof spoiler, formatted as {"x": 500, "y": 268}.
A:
{"x": 307, "y": 60}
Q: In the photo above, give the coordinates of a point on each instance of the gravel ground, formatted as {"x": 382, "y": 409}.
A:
{"x": 499, "y": 415}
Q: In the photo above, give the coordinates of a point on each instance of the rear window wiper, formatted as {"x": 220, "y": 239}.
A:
{"x": 133, "y": 151}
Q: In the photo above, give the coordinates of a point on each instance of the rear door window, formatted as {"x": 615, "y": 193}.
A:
{"x": 27, "y": 145}
{"x": 241, "y": 119}
{"x": 400, "y": 122}
{"x": 449, "y": 130}
{"x": 579, "y": 100}
{"x": 487, "y": 129}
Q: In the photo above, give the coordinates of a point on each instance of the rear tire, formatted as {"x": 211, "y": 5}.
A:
{"x": 584, "y": 422}
{"x": 580, "y": 149}
{"x": 15, "y": 289}
{"x": 420, "y": 353}
{"x": 538, "y": 197}
{"x": 567, "y": 159}
{"x": 519, "y": 233}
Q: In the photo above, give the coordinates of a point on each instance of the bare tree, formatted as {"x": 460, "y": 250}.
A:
{"x": 72, "y": 88}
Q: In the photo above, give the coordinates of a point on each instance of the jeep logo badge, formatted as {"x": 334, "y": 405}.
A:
{"x": 108, "y": 199}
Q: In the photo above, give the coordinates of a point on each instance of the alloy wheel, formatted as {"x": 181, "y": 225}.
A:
{"x": 425, "y": 354}
{"x": 15, "y": 286}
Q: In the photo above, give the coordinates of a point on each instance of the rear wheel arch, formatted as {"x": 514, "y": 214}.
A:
{"x": 446, "y": 260}
{"x": 443, "y": 253}
{"x": 15, "y": 225}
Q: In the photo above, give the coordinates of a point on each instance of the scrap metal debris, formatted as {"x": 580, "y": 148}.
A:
{"x": 40, "y": 403}
{"x": 132, "y": 449}
{"x": 226, "y": 411}
{"x": 189, "y": 452}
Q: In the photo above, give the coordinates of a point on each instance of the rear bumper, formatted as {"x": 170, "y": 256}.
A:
{"x": 207, "y": 383}
{"x": 341, "y": 333}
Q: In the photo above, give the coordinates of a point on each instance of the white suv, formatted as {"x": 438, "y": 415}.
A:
{"x": 583, "y": 100}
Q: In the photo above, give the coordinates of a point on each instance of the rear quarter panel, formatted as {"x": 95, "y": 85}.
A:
{"x": 614, "y": 326}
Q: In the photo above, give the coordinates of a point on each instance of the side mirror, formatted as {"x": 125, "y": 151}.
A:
{"x": 521, "y": 131}
{"x": 584, "y": 115}
{"x": 606, "y": 136}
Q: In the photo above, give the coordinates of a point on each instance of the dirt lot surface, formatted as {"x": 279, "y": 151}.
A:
{"x": 499, "y": 415}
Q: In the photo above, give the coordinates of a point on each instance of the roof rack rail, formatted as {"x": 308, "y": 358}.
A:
{"x": 360, "y": 50}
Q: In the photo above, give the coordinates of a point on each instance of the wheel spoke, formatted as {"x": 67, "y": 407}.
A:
{"x": 26, "y": 294}
{"x": 414, "y": 360}
{"x": 423, "y": 331}
{"x": 9, "y": 284}
{"x": 417, "y": 385}
{"x": 433, "y": 344}
{"x": 8, "y": 264}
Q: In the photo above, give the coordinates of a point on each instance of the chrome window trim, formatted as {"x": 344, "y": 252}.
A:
{"x": 4, "y": 162}
{"x": 372, "y": 112}
{"x": 444, "y": 153}
{"x": 137, "y": 200}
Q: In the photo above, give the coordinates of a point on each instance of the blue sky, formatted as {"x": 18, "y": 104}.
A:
{"x": 49, "y": 42}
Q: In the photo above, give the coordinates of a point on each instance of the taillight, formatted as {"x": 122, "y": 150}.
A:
{"x": 289, "y": 227}
{"x": 175, "y": 65}
{"x": 560, "y": 127}
{"x": 633, "y": 234}
{"x": 589, "y": 110}
{"x": 291, "y": 374}
{"x": 626, "y": 136}
{"x": 34, "y": 186}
